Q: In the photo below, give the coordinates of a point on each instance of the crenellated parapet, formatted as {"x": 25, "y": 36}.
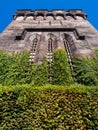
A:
{"x": 49, "y": 15}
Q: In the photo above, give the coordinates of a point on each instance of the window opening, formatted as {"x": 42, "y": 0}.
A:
{"x": 33, "y": 49}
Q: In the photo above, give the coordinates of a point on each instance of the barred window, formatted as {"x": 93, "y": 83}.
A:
{"x": 34, "y": 45}
{"x": 50, "y": 48}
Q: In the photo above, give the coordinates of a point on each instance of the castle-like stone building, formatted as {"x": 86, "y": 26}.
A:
{"x": 43, "y": 31}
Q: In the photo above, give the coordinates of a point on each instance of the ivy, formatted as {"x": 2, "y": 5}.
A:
{"x": 14, "y": 68}
{"x": 40, "y": 73}
{"x": 86, "y": 70}
{"x": 61, "y": 69}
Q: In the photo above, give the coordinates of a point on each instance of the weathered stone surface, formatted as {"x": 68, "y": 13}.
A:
{"x": 61, "y": 27}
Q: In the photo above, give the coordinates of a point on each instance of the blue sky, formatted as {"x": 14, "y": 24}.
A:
{"x": 9, "y": 7}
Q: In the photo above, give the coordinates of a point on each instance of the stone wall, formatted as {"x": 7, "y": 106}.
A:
{"x": 72, "y": 25}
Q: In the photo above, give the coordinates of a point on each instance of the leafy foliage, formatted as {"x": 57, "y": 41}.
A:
{"x": 61, "y": 68}
{"x": 39, "y": 73}
{"x": 86, "y": 70}
{"x": 14, "y": 68}
{"x": 4, "y": 59}
{"x": 48, "y": 107}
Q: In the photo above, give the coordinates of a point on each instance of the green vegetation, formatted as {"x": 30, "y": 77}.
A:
{"x": 38, "y": 106}
{"x": 50, "y": 107}
{"x": 86, "y": 70}
{"x": 15, "y": 69}
{"x": 61, "y": 69}
{"x": 39, "y": 73}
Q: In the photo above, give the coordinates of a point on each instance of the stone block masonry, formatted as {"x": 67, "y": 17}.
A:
{"x": 42, "y": 31}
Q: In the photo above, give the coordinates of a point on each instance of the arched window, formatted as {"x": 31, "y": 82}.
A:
{"x": 33, "y": 50}
{"x": 69, "y": 45}
{"x": 50, "y": 48}
{"x": 34, "y": 45}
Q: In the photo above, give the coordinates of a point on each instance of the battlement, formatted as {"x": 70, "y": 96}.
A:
{"x": 44, "y": 12}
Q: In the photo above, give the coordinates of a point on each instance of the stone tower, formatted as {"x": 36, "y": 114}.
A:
{"x": 41, "y": 32}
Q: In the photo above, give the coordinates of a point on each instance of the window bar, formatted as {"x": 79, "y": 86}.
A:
{"x": 69, "y": 55}
{"x": 49, "y": 57}
{"x": 33, "y": 50}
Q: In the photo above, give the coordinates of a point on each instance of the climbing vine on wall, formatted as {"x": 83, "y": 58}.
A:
{"x": 61, "y": 68}
{"x": 39, "y": 73}
{"x": 86, "y": 70}
{"x": 14, "y": 68}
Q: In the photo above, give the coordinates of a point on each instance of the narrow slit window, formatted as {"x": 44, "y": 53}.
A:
{"x": 50, "y": 48}
{"x": 34, "y": 45}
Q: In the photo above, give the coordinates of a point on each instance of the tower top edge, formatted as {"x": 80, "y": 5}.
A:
{"x": 74, "y": 11}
